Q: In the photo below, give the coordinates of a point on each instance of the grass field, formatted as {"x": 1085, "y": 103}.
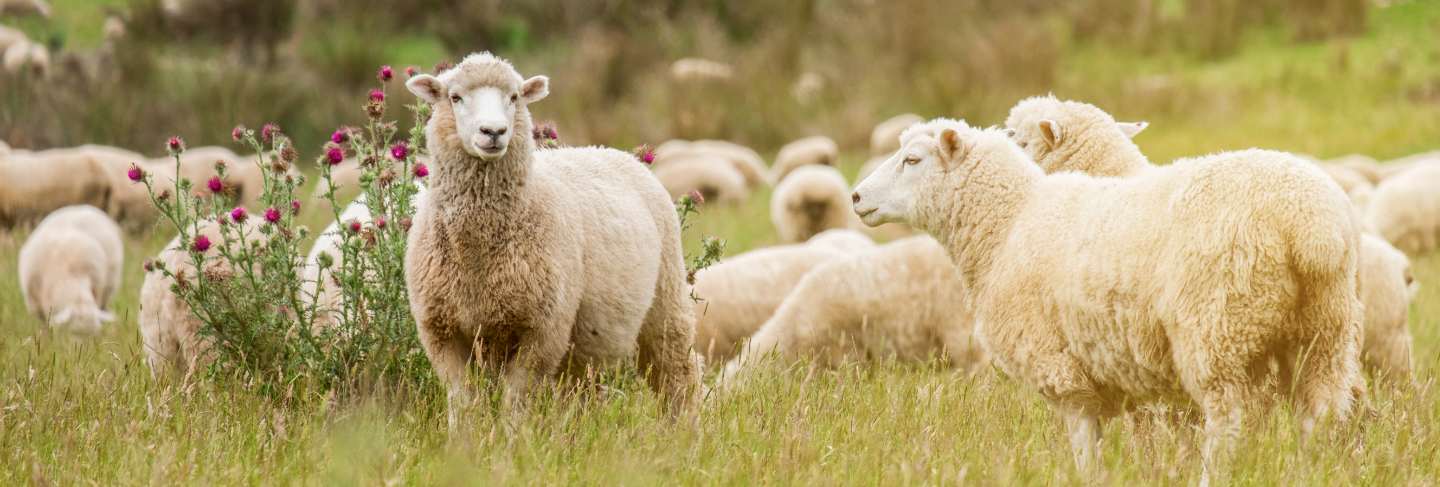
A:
{"x": 79, "y": 412}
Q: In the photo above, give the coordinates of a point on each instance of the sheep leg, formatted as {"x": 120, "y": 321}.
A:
{"x": 451, "y": 356}
{"x": 1329, "y": 380}
{"x": 1084, "y": 428}
{"x": 538, "y": 357}
{"x": 666, "y": 342}
{"x": 1222, "y": 426}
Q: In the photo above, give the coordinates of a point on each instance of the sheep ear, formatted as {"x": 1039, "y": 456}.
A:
{"x": 426, "y": 87}
{"x": 1131, "y": 129}
{"x": 535, "y": 89}
{"x": 1050, "y": 130}
{"x": 951, "y": 147}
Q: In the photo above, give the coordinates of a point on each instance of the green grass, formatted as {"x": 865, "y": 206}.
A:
{"x": 78, "y": 411}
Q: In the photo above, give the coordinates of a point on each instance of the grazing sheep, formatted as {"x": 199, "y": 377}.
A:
{"x": 1386, "y": 287}
{"x": 1405, "y": 209}
{"x": 533, "y": 262}
{"x": 714, "y": 180}
{"x": 885, "y": 139}
{"x": 21, "y": 8}
{"x": 902, "y": 301}
{"x": 808, "y": 87}
{"x": 692, "y": 70}
{"x": 1105, "y": 293}
{"x": 810, "y": 201}
{"x": 38, "y": 183}
{"x": 743, "y": 159}
{"x": 70, "y": 268}
{"x": 815, "y": 150}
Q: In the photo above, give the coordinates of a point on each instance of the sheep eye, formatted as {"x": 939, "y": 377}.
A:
{"x": 1023, "y": 144}
{"x": 514, "y": 97}
{"x": 911, "y": 161}
{"x": 455, "y": 98}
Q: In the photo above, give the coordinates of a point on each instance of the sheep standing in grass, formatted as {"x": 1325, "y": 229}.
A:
{"x": 1103, "y": 293}
{"x": 37, "y": 183}
{"x": 1386, "y": 287}
{"x": 714, "y": 180}
{"x": 70, "y": 268}
{"x": 1405, "y": 209}
{"x": 902, "y": 300}
{"x": 810, "y": 201}
{"x": 327, "y": 293}
{"x": 744, "y": 160}
{"x": 885, "y": 139}
{"x": 534, "y": 262}
{"x": 816, "y": 150}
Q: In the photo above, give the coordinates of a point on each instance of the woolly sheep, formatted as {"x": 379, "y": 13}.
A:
{"x": 1405, "y": 209}
{"x": 815, "y": 150}
{"x": 328, "y": 297}
{"x": 20, "y": 8}
{"x": 1354, "y": 183}
{"x": 902, "y": 300}
{"x": 1103, "y": 293}
{"x": 885, "y": 139}
{"x": 1396, "y": 166}
{"x": 743, "y": 159}
{"x": 566, "y": 257}
{"x": 27, "y": 55}
{"x": 1386, "y": 287}
{"x": 690, "y": 70}
{"x": 38, "y": 183}
{"x": 1362, "y": 165}
{"x": 844, "y": 240}
{"x": 810, "y": 201}
{"x": 714, "y": 180}
{"x": 70, "y": 268}
{"x": 1037, "y": 120}
{"x": 10, "y": 36}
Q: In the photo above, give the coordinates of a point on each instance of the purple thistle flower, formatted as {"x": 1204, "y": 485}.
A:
{"x": 267, "y": 132}
{"x": 272, "y": 215}
{"x": 379, "y": 222}
{"x": 215, "y": 184}
{"x": 334, "y": 155}
{"x": 377, "y": 96}
{"x": 385, "y": 73}
{"x": 175, "y": 145}
{"x": 237, "y": 133}
{"x": 399, "y": 151}
{"x": 294, "y": 207}
{"x": 409, "y": 71}
{"x": 645, "y": 154}
{"x": 354, "y": 226}
{"x": 550, "y": 133}
{"x": 698, "y": 198}
{"x": 340, "y": 136}
{"x": 421, "y": 171}
{"x": 201, "y": 244}
{"x": 238, "y": 214}
{"x": 135, "y": 173}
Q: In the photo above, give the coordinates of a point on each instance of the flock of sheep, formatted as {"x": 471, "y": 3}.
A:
{"x": 1051, "y": 249}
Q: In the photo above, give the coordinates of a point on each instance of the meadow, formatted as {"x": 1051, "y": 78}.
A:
{"x": 77, "y": 411}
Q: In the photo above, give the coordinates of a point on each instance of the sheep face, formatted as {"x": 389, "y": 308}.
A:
{"x": 887, "y": 195}
{"x": 486, "y": 99}
{"x": 79, "y": 315}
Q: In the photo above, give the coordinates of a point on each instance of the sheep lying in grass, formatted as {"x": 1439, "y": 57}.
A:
{"x": 70, "y": 268}
{"x": 714, "y": 180}
{"x": 533, "y": 262}
{"x": 738, "y": 294}
{"x": 1405, "y": 209}
{"x": 691, "y": 70}
{"x": 744, "y": 160}
{"x": 810, "y": 201}
{"x": 1103, "y": 293}
{"x": 37, "y": 183}
{"x": 885, "y": 138}
{"x": 902, "y": 301}
{"x": 816, "y": 150}
{"x": 1386, "y": 287}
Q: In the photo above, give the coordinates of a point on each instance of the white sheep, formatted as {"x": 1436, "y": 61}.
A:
{"x": 814, "y": 150}
{"x": 1405, "y": 209}
{"x": 1354, "y": 183}
{"x": 901, "y": 301}
{"x": 21, "y": 56}
{"x": 38, "y": 183}
{"x": 743, "y": 159}
{"x": 1360, "y": 164}
{"x": 1387, "y": 288}
{"x": 327, "y": 295}
{"x": 1102, "y": 293}
{"x": 713, "y": 179}
{"x": 846, "y": 240}
{"x": 70, "y": 268}
{"x": 885, "y": 138}
{"x": 20, "y": 8}
{"x": 1039, "y": 123}
{"x": 691, "y": 70}
{"x": 813, "y": 199}
{"x": 536, "y": 261}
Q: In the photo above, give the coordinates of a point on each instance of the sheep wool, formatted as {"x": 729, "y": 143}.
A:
{"x": 816, "y": 150}
{"x": 38, "y": 183}
{"x": 1405, "y": 209}
{"x": 741, "y": 158}
{"x": 1387, "y": 287}
{"x": 538, "y": 261}
{"x": 70, "y": 269}
{"x": 1106, "y": 292}
{"x": 714, "y": 180}
{"x": 1073, "y": 136}
{"x": 885, "y": 139}
{"x": 900, "y": 301}
{"x": 810, "y": 201}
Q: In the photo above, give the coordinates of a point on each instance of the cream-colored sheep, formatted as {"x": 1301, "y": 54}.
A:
{"x": 743, "y": 159}
{"x": 31, "y": 57}
{"x": 810, "y": 201}
{"x": 1399, "y": 165}
{"x": 902, "y": 301}
{"x": 1386, "y": 287}
{"x": 815, "y": 150}
{"x": 1103, "y": 293}
{"x": 690, "y": 70}
{"x": 845, "y": 240}
{"x": 885, "y": 139}
{"x": 37, "y": 183}
{"x": 20, "y": 8}
{"x": 715, "y": 180}
{"x": 1361, "y": 165}
{"x": 70, "y": 268}
{"x": 1405, "y": 209}
{"x": 1052, "y": 131}
{"x": 533, "y": 262}
{"x": 1355, "y": 184}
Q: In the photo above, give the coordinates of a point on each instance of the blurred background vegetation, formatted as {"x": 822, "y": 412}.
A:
{"x": 1318, "y": 76}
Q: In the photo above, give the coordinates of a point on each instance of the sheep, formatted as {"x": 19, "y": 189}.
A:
{"x": 1036, "y": 124}
{"x": 844, "y": 240}
{"x": 715, "y": 181}
{"x": 21, "y": 8}
{"x": 1405, "y": 209}
{"x": 529, "y": 261}
{"x": 807, "y": 87}
{"x": 23, "y": 55}
{"x": 169, "y": 331}
{"x": 815, "y": 150}
{"x": 693, "y": 70}
{"x": 885, "y": 139}
{"x": 1103, "y": 293}
{"x": 10, "y": 36}
{"x": 1386, "y": 288}
{"x": 1362, "y": 165}
{"x": 810, "y": 201}
{"x": 38, "y": 183}
{"x": 1354, "y": 183}
{"x": 328, "y": 298}
{"x": 4, "y": 149}
{"x": 902, "y": 300}
{"x": 743, "y": 159}
{"x": 70, "y": 269}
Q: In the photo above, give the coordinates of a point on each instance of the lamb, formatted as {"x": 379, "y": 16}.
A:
{"x": 815, "y": 150}
{"x": 70, "y": 268}
{"x": 1386, "y": 287}
{"x": 714, "y": 180}
{"x": 742, "y": 158}
{"x": 38, "y": 183}
{"x": 1405, "y": 209}
{"x": 902, "y": 300}
{"x": 738, "y": 294}
{"x": 885, "y": 139}
{"x": 1103, "y": 293}
{"x": 810, "y": 201}
{"x": 531, "y": 261}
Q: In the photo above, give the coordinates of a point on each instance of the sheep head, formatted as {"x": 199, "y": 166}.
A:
{"x": 483, "y": 102}
{"x": 1047, "y": 127}
{"x": 888, "y": 194}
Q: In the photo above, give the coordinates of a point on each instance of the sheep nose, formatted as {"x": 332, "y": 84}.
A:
{"x": 493, "y": 132}
{"x": 855, "y": 197}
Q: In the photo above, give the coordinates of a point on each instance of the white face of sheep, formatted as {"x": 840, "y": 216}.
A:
{"x": 484, "y": 114}
{"x": 82, "y": 319}
{"x": 888, "y": 194}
